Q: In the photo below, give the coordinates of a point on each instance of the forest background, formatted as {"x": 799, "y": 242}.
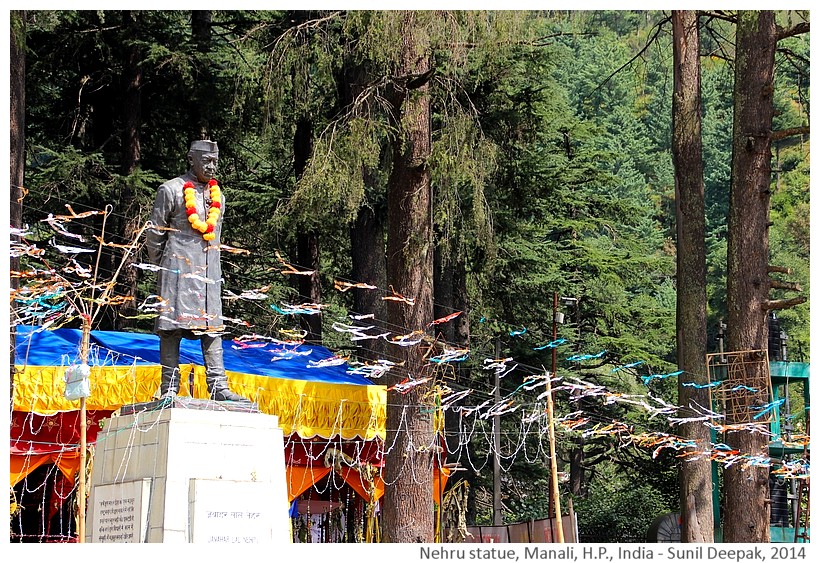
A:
{"x": 552, "y": 174}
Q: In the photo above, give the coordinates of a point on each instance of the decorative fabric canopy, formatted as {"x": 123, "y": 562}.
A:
{"x": 312, "y": 395}
{"x": 315, "y": 398}
{"x": 319, "y": 404}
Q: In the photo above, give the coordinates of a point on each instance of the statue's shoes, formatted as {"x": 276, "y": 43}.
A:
{"x": 228, "y": 395}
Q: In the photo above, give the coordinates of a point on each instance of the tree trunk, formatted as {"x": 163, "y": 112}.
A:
{"x": 746, "y": 512}
{"x": 443, "y": 284}
{"x": 410, "y": 447}
{"x": 450, "y": 296}
{"x": 129, "y": 208}
{"x": 17, "y": 125}
{"x": 310, "y": 291}
{"x": 368, "y": 231}
{"x": 576, "y": 471}
{"x": 697, "y": 523}
{"x": 367, "y": 248}
{"x": 307, "y": 240}
{"x": 17, "y": 160}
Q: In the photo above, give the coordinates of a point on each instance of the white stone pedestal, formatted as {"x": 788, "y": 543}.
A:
{"x": 189, "y": 471}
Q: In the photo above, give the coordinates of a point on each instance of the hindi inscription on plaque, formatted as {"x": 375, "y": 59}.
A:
{"x": 232, "y": 512}
{"x": 119, "y": 513}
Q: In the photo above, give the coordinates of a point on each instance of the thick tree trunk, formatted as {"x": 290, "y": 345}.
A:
{"x": 450, "y": 296}
{"x": 17, "y": 160}
{"x": 367, "y": 252}
{"x": 576, "y": 471}
{"x": 695, "y": 476}
{"x": 132, "y": 119}
{"x": 746, "y": 516}
{"x": 17, "y": 124}
{"x": 367, "y": 233}
{"x": 410, "y": 447}
{"x": 307, "y": 241}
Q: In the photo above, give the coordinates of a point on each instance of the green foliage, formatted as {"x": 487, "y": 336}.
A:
{"x": 461, "y": 163}
{"x": 618, "y": 509}
{"x": 527, "y": 497}
{"x": 334, "y": 184}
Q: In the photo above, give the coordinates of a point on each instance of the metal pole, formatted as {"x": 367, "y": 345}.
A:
{"x": 498, "y": 518}
{"x": 720, "y": 337}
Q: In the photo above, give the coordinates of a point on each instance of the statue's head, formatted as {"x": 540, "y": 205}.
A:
{"x": 203, "y": 158}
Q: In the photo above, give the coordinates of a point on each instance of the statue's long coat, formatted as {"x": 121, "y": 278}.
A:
{"x": 190, "y": 278}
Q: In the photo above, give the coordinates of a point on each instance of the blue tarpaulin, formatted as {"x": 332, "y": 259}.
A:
{"x": 61, "y": 347}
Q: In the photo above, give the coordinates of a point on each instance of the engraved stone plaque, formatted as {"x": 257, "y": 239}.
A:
{"x": 119, "y": 513}
{"x": 232, "y": 512}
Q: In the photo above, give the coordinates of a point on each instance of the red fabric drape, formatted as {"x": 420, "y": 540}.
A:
{"x": 304, "y": 451}
{"x": 34, "y": 433}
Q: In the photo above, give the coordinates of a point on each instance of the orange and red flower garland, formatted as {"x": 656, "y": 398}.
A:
{"x": 207, "y": 226}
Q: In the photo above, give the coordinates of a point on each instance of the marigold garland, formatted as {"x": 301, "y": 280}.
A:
{"x": 207, "y": 226}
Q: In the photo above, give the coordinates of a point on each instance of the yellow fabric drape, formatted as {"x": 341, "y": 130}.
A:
{"x": 308, "y": 408}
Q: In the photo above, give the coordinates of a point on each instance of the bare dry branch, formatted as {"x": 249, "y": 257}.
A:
{"x": 778, "y": 304}
{"x": 792, "y": 286}
{"x": 791, "y": 132}
{"x": 649, "y": 42}
{"x": 802, "y": 27}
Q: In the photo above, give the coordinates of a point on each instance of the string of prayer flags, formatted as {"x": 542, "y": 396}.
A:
{"x": 290, "y": 270}
{"x": 398, "y": 297}
{"x": 584, "y": 357}
{"x": 647, "y": 378}
{"x": 345, "y": 286}
{"x": 553, "y": 344}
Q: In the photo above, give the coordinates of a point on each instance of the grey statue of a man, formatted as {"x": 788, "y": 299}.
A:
{"x": 184, "y": 242}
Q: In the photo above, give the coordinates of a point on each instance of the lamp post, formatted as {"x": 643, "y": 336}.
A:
{"x": 721, "y": 335}
{"x": 558, "y": 318}
{"x": 783, "y": 338}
